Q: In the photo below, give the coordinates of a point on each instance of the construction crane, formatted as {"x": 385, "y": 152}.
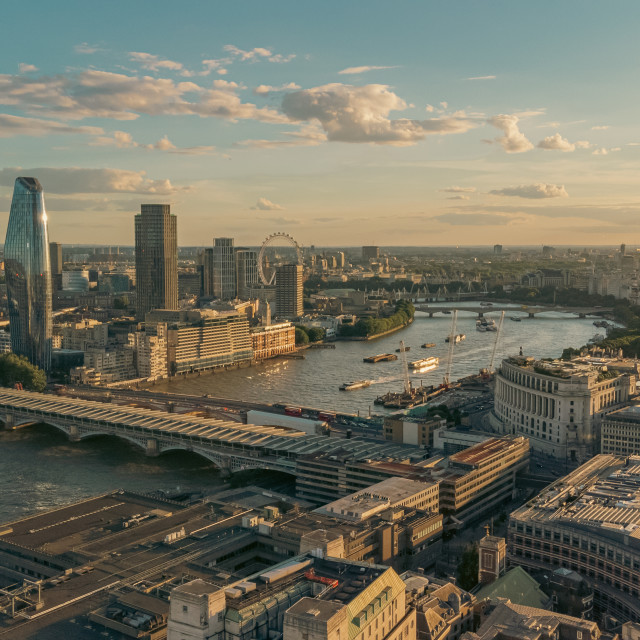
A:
{"x": 495, "y": 344}
{"x": 405, "y": 368}
{"x": 452, "y": 344}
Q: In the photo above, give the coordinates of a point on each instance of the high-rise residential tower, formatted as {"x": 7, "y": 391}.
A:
{"x": 289, "y": 291}
{"x": 246, "y": 271}
{"x": 156, "y": 259}
{"x": 28, "y": 274}
{"x": 224, "y": 269}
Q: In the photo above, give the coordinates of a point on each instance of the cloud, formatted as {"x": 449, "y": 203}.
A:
{"x": 364, "y": 69}
{"x": 459, "y": 190}
{"x": 361, "y": 114}
{"x": 604, "y": 151}
{"x": 11, "y": 126}
{"x": 513, "y": 141}
{"x": 74, "y": 180}
{"x": 266, "y": 205}
{"x": 476, "y": 219}
{"x": 533, "y": 191}
{"x": 101, "y": 94}
{"x": 482, "y": 78}
{"x": 458, "y": 197}
{"x": 258, "y": 53}
{"x": 124, "y": 140}
{"x": 307, "y": 136}
{"x": 600, "y": 127}
{"x": 266, "y": 89}
{"x": 153, "y": 62}
{"x": 23, "y": 67}
{"x": 556, "y": 142}
{"x": 86, "y": 48}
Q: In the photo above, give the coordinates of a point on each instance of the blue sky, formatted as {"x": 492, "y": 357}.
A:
{"x": 342, "y": 123}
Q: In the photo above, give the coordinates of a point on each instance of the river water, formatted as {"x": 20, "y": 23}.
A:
{"x": 40, "y": 469}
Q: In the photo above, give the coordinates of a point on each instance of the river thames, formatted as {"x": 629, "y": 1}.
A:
{"x": 40, "y": 469}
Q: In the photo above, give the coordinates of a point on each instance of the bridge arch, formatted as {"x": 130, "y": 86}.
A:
{"x": 212, "y": 458}
{"x": 97, "y": 434}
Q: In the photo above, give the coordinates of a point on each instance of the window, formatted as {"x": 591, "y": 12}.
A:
{"x": 185, "y": 609}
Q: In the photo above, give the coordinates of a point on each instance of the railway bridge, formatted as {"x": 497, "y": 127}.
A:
{"x": 231, "y": 446}
{"x": 531, "y": 311}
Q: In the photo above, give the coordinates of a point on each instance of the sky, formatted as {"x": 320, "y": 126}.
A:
{"x": 341, "y": 123}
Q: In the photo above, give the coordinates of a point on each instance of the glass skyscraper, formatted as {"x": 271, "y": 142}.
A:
{"x": 28, "y": 274}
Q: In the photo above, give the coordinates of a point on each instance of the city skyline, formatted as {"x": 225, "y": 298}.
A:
{"x": 465, "y": 126}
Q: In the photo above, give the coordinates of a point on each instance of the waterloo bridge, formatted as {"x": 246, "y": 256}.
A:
{"x": 231, "y": 446}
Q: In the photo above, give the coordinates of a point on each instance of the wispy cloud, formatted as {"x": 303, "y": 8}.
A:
{"x": 483, "y": 78}
{"x": 266, "y": 205}
{"x": 533, "y": 191}
{"x": 266, "y": 89}
{"x": 11, "y": 126}
{"x": 364, "y": 69}
{"x": 124, "y": 140}
{"x": 258, "y": 53}
{"x": 23, "y": 67}
{"x": 86, "y": 48}
{"x": 458, "y": 190}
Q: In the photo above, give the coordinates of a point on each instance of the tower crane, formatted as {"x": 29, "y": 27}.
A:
{"x": 495, "y": 344}
{"x": 452, "y": 344}
{"x": 405, "y": 368}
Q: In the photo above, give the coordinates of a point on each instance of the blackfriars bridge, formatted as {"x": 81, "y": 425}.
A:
{"x": 531, "y": 311}
{"x": 231, "y": 446}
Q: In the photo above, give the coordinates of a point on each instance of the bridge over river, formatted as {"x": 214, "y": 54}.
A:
{"x": 231, "y": 446}
{"x": 531, "y": 311}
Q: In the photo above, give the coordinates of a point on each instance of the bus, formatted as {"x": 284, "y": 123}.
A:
{"x": 293, "y": 411}
{"x": 326, "y": 416}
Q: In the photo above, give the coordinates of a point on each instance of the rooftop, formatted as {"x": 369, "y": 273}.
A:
{"x": 487, "y": 450}
{"x": 516, "y": 585}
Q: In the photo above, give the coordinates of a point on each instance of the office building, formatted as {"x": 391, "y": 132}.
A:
{"x": 497, "y": 249}
{"x": 28, "y": 274}
{"x": 206, "y": 267}
{"x": 273, "y": 340}
{"x": 55, "y": 255}
{"x": 289, "y": 291}
{"x": 587, "y": 522}
{"x": 246, "y": 272}
{"x": 156, "y": 259}
{"x": 558, "y": 405}
{"x": 75, "y": 280}
{"x": 620, "y": 432}
{"x": 150, "y": 348}
{"x": 224, "y": 269}
{"x": 370, "y": 253}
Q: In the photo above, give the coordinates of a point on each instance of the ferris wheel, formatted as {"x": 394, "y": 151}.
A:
{"x": 278, "y": 248}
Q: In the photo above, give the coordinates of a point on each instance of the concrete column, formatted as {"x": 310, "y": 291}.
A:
{"x": 9, "y": 422}
{"x": 74, "y": 433}
{"x": 152, "y": 448}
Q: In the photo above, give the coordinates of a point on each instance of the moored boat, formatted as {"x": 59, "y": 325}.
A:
{"x": 424, "y": 364}
{"x": 357, "y": 384}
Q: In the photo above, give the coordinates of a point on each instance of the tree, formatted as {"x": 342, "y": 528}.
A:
{"x": 468, "y": 568}
{"x": 316, "y": 334}
{"x": 14, "y": 369}
{"x": 302, "y": 337}
{"x": 121, "y": 302}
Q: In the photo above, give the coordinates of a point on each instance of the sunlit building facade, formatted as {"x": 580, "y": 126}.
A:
{"x": 28, "y": 274}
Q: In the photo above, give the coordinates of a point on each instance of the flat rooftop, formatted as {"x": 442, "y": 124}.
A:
{"x": 487, "y": 450}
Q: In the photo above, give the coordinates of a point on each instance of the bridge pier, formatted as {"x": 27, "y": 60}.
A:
{"x": 74, "y": 433}
{"x": 151, "y": 449}
{"x": 9, "y": 422}
{"x": 531, "y": 314}
{"x": 582, "y": 315}
{"x": 480, "y": 314}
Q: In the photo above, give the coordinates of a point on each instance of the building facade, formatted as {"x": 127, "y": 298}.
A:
{"x": 224, "y": 269}
{"x": 289, "y": 291}
{"x": 273, "y": 340}
{"x": 246, "y": 272}
{"x": 558, "y": 405}
{"x": 620, "y": 432}
{"x": 206, "y": 266}
{"x": 28, "y": 274}
{"x": 75, "y": 280}
{"x": 156, "y": 249}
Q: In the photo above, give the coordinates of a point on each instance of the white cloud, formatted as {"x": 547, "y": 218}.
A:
{"x": 582, "y": 144}
{"x": 361, "y": 114}
{"x": 601, "y": 127}
{"x": 364, "y": 69}
{"x": 556, "y": 142}
{"x": 429, "y": 108}
{"x": 124, "y": 140}
{"x": 266, "y": 205}
{"x": 253, "y": 54}
{"x": 86, "y": 48}
{"x": 78, "y": 180}
{"x": 11, "y": 126}
{"x": 458, "y": 197}
{"x": 458, "y": 190}
{"x": 513, "y": 141}
{"x": 266, "y": 89}
{"x": 603, "y": 151}
{"x": 533, "y": 191}
{"x": 482, "y": 78}
{"x": 307, "y": 136}
{"x": 23, "y": 67}
{"x": 153, "y": 62}
{"x": 101, "y": 94}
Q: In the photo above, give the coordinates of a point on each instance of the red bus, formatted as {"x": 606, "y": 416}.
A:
{"x": 293, "y": 411}
{"x": 326, "y": 416}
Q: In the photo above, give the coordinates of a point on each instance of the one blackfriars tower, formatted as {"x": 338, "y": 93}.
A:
{"x": 28, "y": 274}
{"x": 156, "y": 259}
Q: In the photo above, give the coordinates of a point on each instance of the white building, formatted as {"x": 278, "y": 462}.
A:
{"x": 150, "y": 352}
{"x": 75, "y": 280}
{"x": 558, "y": 405}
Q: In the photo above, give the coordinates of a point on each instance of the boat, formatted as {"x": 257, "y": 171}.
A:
{"x": 491, "y": 325}
{"x": 381, "y": 357}
{"x": 457, "y": 338}
{"x": 481, "y": 325}
{"x": 516, "y": 318}
{"x": 424, "y": 364}
{"x": 358, "y": 384}
{"x": 428, "y": 345}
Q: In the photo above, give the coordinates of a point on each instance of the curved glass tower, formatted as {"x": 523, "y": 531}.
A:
{"x": 28, "y": 274}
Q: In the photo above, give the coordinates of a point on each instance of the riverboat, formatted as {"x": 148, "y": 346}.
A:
{"x": 428, "y": 345}
{"x": 381, "y": 357}
{"x": 358, "y": 384}
{"x": 424, "y": 364}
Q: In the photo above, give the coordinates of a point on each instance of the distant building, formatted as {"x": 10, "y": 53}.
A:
{"x": 114, "y": 282}
{"x": 492, "y": 558}
{"x": 206, "y": 266}
{"x": 55, "y": 255}
{"x": 156, "y": 259}
{"x": 370, "y": 253}
{"x": 246, "y": 272}
{"x": 411, "y": 430}
{"x": 75, "y": 280}
{"x": 189, "y": 284}
{"x": 620, "y": 432}
{"x": 547, "y": 252}
{"x": 289, "y": 291}
{"x": 497, "y": 249}
{"x": 28, "y": 274}
{"x": 224, "y": 269}
{"x": 273, "y": 340}
{"x": 150, "y": 349}
{"x": 5, "y": 342}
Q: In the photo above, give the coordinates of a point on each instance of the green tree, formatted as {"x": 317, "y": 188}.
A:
{"x": 122, "y": 302}
{"x": 468, "y": 568}
{"x": 14, "y": 369}
{"x": 316, "y": 334}
{"x": 302, "y": 337}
